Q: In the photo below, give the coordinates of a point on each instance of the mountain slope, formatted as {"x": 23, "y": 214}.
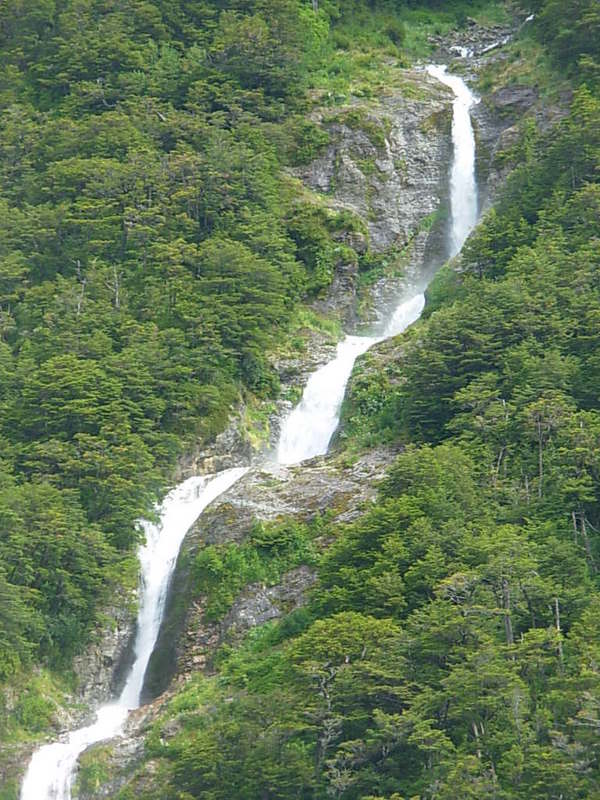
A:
{"x": 450, "y": 645}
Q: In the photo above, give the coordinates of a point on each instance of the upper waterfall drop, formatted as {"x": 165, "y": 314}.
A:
{"x": 463, "y": 185}
{"x": 309, "y": 428}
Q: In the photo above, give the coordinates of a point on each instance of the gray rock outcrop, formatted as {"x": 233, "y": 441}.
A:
{"x": 387, "y": 163}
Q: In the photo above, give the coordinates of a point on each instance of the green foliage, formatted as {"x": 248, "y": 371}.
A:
{"x": 317, "y": 233}
{"x": 150, "y": 256}
{"x": 220, "y": 572}
{"x": 55, "y": 581}
{"x": 444, "y": 288}
{"x": 93, "y": 769}
{"x": 307, "y": 142}
{"x": 30, "y": 709}
{"x": 571, "y": 38}
{"x": 451, "y": 646}
{"x": 152, "y": 253}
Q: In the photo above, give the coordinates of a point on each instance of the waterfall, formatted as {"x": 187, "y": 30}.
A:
{"x": 463, "y": 186}
{"x": 309, "y": 428}
{"x": 51, "y": 767}
{"x": 306, "y": 433}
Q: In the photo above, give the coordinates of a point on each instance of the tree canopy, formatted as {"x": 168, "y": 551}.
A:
{"x": 450, "y": 647}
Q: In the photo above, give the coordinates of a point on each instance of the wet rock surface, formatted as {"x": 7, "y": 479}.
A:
{"x": 514, "y": 99}
{"x": 474, "y": 40}
{"x": 101, "y": 669}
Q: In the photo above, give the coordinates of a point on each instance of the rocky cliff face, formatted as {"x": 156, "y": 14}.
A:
{"x": 99, "y": 671}
{"x": 387, "y": 162}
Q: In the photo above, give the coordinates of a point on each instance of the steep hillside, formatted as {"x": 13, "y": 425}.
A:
{"x": 160, "y": 267}
{"x": 196, "y": 197}
{"x": 448, "y": 645}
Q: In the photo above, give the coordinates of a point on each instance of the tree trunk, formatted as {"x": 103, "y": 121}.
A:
{"x": 586, "y": 542}
{"x": 540, "y": 457}
{"x": 476, "y": 733}
{"x": 498, "y": 465}
{"x": 558, "y": 631}
{"x": 506, "y": 604}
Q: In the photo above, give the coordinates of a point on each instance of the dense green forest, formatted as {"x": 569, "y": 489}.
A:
{"x": 451, "y": 647}
{"x": 153, "y": 252}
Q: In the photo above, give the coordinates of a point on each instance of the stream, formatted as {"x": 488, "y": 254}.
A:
{"x": 306, "y": 433}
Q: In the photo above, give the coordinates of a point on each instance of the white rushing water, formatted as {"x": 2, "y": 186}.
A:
{"x": 463, "y": 186}
{"x": 51, "y": 768}
{"x": 306, "y": 433}
{"x": 309, "y": 428}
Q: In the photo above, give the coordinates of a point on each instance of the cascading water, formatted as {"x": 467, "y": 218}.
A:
{"x": 463, "y": 186}
{"x": 309, "y": 428}
{"x": 306, "y": 433}
{"x": 51, "y": 767}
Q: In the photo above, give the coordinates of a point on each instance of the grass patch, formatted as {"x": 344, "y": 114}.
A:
{"x": 257, "y": 421}
{"x": 527, "y": 63}
{"x": 376, "y": 130}
{"x": 29, "y": 705}
{"x": 94, "y": 769}
{"x": 221, "y": 572}
{"x": 306, "y": 319}
{"x": 369, "y": 49}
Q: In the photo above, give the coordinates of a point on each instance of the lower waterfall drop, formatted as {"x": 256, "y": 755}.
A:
{"x": 306, "y": 433}
{"x": 51, "y": 768}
